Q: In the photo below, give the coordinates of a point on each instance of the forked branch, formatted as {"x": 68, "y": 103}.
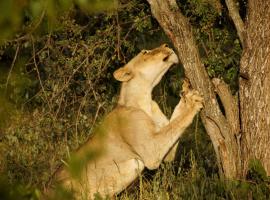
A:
{"x": 229, "y": 102}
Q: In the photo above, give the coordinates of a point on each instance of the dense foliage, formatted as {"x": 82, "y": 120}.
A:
{"x": 56, "y": 84}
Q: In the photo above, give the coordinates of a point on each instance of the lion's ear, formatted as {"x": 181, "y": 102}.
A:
{"x": 123, "y": 74}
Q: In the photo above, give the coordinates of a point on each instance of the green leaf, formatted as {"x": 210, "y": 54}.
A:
{"x": 256, "y": 171}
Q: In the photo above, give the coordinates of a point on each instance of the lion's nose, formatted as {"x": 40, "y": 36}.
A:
{"x": 164, "y": 45}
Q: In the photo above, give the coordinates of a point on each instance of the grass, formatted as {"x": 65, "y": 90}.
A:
{"x": 192, "y": 176}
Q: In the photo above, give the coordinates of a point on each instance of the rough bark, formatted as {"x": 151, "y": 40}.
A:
{"x": 255, "y": 86}
{"x": 223, "y": 130}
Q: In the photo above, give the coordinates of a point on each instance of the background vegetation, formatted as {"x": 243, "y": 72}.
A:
{"x": 56, "y": 84}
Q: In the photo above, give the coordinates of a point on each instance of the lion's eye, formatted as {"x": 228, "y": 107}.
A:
{"x": 166, "y": 58}
{"x": 144, "y": 52}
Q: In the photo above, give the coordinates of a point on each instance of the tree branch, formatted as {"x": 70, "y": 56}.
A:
{"x": 238, "y": 22}
{"x": 229, "y": 102}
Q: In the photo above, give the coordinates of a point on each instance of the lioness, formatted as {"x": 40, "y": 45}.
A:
{"x": 136, "y": 133}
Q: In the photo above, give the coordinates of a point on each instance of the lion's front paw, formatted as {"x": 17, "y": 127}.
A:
{"x": 193, "y": 100}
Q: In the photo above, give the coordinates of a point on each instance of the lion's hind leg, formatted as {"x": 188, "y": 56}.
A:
{"x": 113, "y": 178}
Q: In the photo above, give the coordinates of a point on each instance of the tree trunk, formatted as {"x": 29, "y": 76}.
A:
{"x": 234, "y": 148}
{"x": 223, "y": 130}
{"x": 255, "y": 86}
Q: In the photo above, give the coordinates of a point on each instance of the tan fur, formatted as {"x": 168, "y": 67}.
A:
{"x": 136, "y": 133}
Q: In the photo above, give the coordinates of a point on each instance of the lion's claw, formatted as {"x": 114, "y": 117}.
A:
{"x": 193, "y": 99}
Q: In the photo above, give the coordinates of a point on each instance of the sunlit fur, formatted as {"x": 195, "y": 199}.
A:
{"x": 136, "y": 134}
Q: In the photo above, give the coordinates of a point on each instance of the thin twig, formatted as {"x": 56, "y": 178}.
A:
{"x": 118, "y": 36}
{"x": 40, "y": 51}
{"x": 12, "y": 65}
{"x": 39, "y": 78}
{"x": 77, "y": 116}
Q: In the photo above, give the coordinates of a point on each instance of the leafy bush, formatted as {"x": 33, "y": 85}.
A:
{"x": 25, "y": 17}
